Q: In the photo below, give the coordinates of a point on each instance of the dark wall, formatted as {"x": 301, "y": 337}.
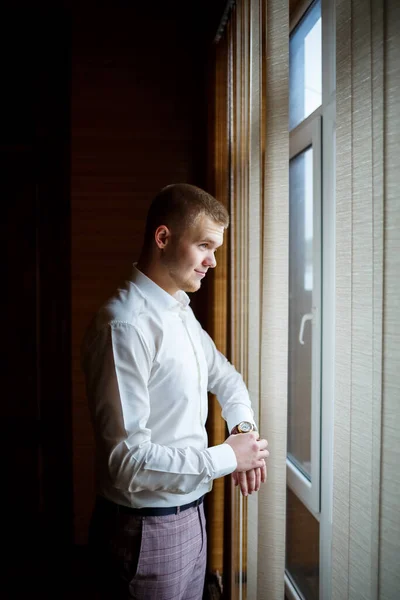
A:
{"x": 103, "y": 106}
{"x": 36, "y": 408}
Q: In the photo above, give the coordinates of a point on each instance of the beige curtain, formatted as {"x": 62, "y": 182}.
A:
{"x": 258, "y": 42}
{"x": 366, "y": 496}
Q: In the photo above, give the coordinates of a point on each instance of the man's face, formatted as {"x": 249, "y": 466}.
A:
{"x": 189, "y": 256}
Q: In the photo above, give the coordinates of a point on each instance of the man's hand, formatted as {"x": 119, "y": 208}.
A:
{"x": 250, "y": 481}
{"x": 250, "y": 452}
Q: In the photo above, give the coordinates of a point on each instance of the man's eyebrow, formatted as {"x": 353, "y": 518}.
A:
{"x": 210, "y": 241}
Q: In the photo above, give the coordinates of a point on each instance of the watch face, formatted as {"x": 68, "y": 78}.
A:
{"x": 245, "y": 427}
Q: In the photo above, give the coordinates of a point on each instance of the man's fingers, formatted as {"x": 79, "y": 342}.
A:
{"x": 242, "y": 478}
{"x": 258, "y": 479}
{"x": 264, "y": 453}
{"x": 251, "y": 480}
{"x": 264, "y": 473}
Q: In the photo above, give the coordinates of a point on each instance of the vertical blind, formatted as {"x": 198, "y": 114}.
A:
{"x": 366, "y": 486}
{"x": 366, "y": 421}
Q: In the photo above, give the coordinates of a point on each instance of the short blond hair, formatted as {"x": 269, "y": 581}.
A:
{"x": 178, "y": 205}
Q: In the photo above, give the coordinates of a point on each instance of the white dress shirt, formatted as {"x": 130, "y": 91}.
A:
{"x": 149, "y": 365}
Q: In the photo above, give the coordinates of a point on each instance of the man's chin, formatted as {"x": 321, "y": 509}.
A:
{"x": 191, "y": 287}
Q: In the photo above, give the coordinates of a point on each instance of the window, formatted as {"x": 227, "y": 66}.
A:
{"x": 304, "y": 389}
{"x": 302, "y": 547}
{"x": 305, "y": 306}
{"x": 312, "y": 106}
{"x": 305, "y": 66}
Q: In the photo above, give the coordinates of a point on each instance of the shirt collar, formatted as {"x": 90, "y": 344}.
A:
{"x": 156, "y": 295}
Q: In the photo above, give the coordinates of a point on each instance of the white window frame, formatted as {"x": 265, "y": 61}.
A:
{"x": 327, "y": 116}
{"x": 305, "y": 135}
{"x": 328, "y": 293}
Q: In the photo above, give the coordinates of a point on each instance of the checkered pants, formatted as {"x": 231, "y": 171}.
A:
{"x": 149, "y": 558}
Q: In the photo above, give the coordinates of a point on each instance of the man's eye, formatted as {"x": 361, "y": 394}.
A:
{"x": 203, "y": 245}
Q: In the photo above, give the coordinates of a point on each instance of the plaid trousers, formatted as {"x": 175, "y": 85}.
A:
{"x": 148, "y": 558}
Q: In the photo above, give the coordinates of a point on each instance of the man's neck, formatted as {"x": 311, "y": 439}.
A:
{"x": 157, "y": 273}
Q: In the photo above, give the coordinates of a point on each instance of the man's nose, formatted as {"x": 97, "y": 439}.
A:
{"x": 210, "y": 261}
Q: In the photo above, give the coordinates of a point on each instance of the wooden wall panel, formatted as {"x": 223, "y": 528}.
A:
{"x": 218, "y": 288}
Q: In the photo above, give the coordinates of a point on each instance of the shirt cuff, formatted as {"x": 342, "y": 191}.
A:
{"x": 237, "y": 415}
{"x": 223, "y": 459}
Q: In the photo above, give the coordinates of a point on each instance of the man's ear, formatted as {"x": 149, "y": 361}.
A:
{"x": 162, "y": 236}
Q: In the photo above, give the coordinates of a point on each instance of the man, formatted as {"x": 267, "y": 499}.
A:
{"x": 148, "y": 366}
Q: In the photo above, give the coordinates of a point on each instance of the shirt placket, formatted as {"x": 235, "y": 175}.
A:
{"x": 187, "y": 328}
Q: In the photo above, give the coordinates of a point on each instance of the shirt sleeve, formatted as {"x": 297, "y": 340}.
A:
{"x": 118, "y": 369}
{"x": 227, "y": 384}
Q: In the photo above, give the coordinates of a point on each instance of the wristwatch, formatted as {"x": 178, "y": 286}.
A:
{"x": 245, "y": 427}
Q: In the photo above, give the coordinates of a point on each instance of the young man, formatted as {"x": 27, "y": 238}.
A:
{"x": 148, "y": 367}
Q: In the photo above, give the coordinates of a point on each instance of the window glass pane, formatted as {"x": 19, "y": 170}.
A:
{"x": 302, "y": 547}
{"x": 305, "y": 66}
{"x": 300, "y": 310}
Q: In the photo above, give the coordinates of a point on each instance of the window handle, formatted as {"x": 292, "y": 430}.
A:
{"x": 306, "y": 317}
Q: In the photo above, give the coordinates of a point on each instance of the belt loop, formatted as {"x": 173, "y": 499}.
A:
{"x": 178, "y": 510}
